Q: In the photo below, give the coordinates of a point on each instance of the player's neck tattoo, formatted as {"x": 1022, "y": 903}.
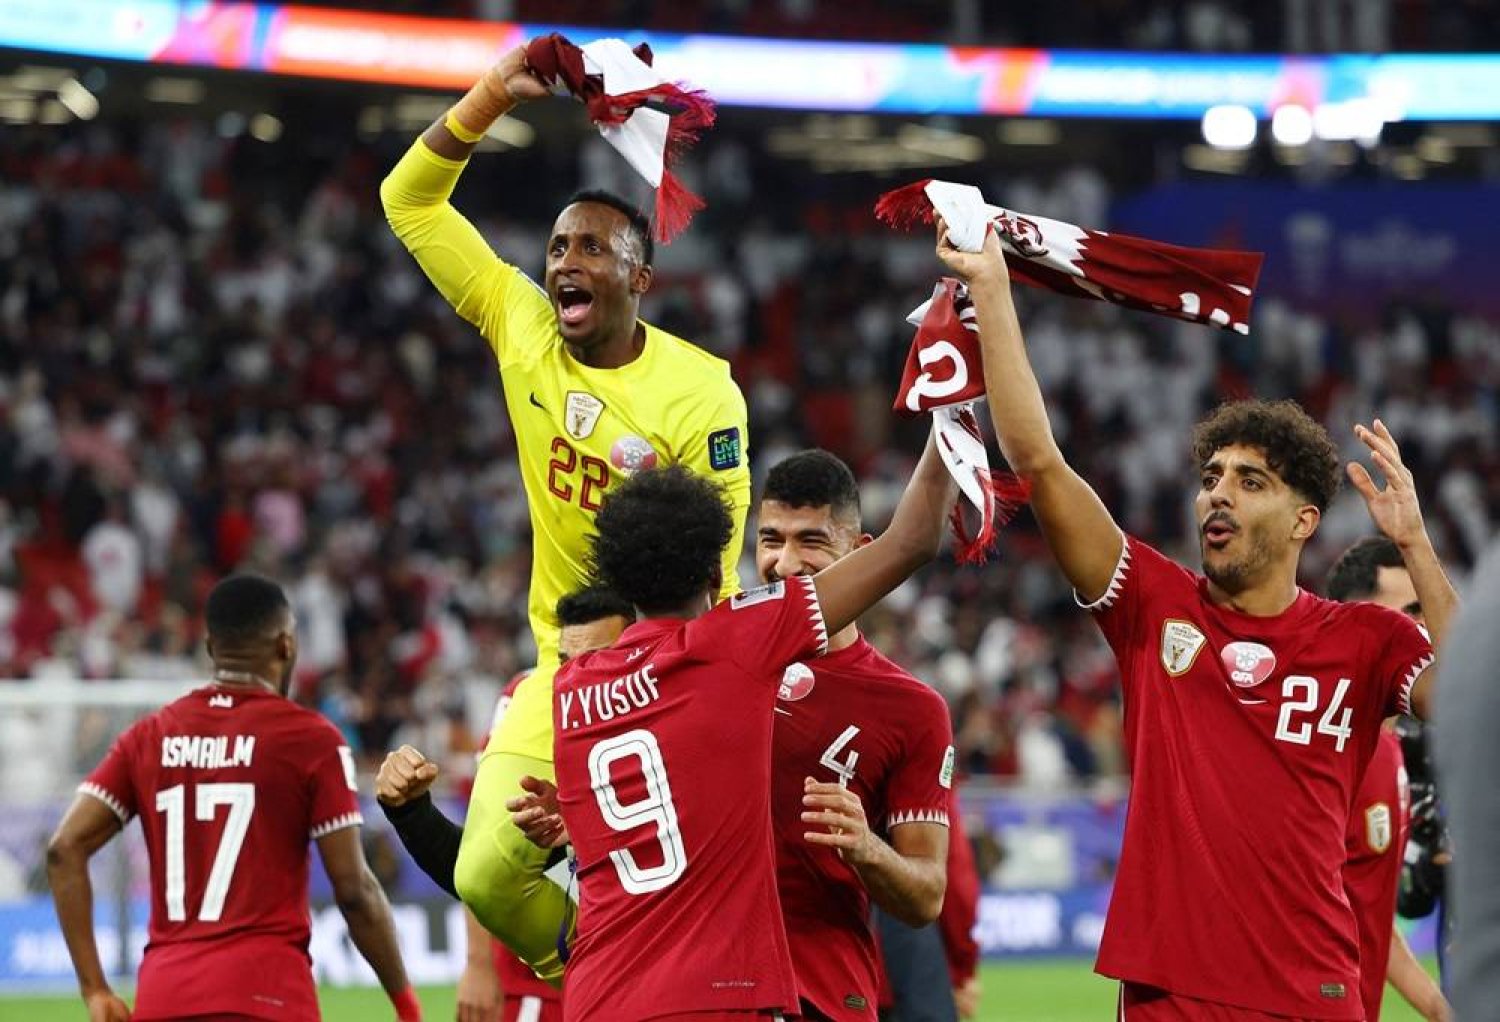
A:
{"x": 228, "y": 677}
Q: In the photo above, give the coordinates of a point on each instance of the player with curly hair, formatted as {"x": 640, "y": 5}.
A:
{"x": 1252, "y": 707}
{"x": 664, "y": 750}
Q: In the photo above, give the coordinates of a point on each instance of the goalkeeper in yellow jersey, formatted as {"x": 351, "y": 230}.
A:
{"x": 593, "y": 395}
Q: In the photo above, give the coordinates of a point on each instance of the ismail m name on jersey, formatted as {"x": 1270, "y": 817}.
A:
{"x": 207, "y": 752}
{"x": 607, "y": 700}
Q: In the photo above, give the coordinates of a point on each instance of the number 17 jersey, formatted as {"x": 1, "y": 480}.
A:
{"x": 663, "y": 755}
{"x": 1247, "y": 737}
{"x": 231, "y": 784}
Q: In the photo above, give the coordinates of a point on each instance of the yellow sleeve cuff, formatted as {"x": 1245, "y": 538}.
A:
{"x": 459, "y": 131}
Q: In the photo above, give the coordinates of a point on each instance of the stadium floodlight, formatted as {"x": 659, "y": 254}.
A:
{"x": 1354, "y": 120}
{"x": 265, "y": 127}
{"x": 1229, "y": 126}
{"x": 80, "y": 102}
{"x": 1292, "y": 125}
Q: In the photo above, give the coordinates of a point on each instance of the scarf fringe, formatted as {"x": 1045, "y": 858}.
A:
{"x": 675, "y": 206}
{"x": 905, "y": 207}
{"x": 1004, "y": 495}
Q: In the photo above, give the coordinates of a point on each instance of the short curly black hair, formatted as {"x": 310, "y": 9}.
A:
{"x": 1297, "y": 448}
{"x": 660, "y": 538}
{"x": 592, "y": 603}
{"x": 814, "y": 478}
{"x": 245, "y": 609}
{"x": 1356, "y": 572}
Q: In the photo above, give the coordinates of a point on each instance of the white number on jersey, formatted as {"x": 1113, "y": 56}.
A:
{"x": 655, "y": 808}
{"x": 1307, "y": 703}
{"x": 240, "y": 798}
{"x": 844, "y": 770}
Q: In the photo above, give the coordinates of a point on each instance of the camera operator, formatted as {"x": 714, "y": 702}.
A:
{"x": 1428, "y": 850}
{"x": 1384, "y": 871}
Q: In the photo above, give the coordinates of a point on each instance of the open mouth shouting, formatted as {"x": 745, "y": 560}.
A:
{"x": 573, "y": 304}
{"x": 1219, "y": 529}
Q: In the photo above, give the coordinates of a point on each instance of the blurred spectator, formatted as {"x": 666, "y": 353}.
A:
{"x": 206, "y": 366}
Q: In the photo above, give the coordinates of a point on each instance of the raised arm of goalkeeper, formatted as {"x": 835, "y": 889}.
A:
{"x": 1083, "y": 536}
{"x": 477, "y": 283}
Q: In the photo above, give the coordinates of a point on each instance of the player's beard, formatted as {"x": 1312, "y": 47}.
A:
{"x": 1240, "y": 573}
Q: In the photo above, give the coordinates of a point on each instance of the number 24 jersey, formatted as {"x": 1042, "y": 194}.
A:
{"x": 1247, "y": 737}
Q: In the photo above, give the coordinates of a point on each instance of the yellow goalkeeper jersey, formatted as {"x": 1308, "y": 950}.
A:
{"x": 579, "y": 429}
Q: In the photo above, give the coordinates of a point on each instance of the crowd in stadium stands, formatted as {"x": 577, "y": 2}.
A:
{"x": 1213, "y": 26}
{"x": 213, "y": 355}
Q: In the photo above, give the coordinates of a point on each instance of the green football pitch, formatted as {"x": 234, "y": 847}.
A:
{"x": 1033, "y": 991}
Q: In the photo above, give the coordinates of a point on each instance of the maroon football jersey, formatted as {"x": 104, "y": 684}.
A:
{"x": 1375, "y": 844}
{"x": 663, "y": 751}
{"x": 1248, "y": 737}
{"x": 852, "y": 717}
{"x": 230, "y": 784}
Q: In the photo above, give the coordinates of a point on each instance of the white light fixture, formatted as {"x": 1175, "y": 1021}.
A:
{"x": 1292, "y": 125}
{"x": 186, "y": 91}
{"x": 80, "y": 102}
{"x": 1029, "y": 131}
{"x": 265, "y": 128}
{"x": 513, "y": 132}
{"x": 1354, "y": 120}
{"x": 230, "y": 124}
{"x": 1229, "y": 126}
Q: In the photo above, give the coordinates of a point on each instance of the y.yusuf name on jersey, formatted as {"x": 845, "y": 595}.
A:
{"x": 609, "y": 699}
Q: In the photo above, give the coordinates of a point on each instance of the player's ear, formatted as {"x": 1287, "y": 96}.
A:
{"x": 640, "y": 279}
{"x": 1306, "y": 522}
{"x": 208, "y": 646}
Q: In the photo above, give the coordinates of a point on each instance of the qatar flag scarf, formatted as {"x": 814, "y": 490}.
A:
{"x": 615, "y": 83}
{"x": 944, "y": 375}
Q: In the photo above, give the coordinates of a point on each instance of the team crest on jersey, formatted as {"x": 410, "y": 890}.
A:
{"x": 797, "y": 682}
{"x": 581, "y": 414}
{"x": 761, "y": 594}
{"x": 1180, "y": 644}
{"x": 631, "y": 454}
{"x": 1248, "y": 663}
{"x": 1378, "y": 827}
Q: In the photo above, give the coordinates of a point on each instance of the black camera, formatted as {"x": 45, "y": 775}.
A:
{"x": 1424, "y": 870}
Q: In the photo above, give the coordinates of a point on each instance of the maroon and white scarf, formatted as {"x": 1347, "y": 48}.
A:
{"x": 943, "y": 371}
{"x": 614, "y": 83}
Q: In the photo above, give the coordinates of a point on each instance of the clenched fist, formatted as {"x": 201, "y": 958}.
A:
{"x": 406, "y": 774}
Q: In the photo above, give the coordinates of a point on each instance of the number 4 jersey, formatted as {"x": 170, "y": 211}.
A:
{"x": 663, "y": 754}
{"x": 1247, "y": 737}
{"x": 230, "y": 783}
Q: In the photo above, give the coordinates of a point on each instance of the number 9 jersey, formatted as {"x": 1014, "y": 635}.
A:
{"x": 231, "y": 783}
{"x": 1247, "y": 737}
{"x": 663, "y": 755}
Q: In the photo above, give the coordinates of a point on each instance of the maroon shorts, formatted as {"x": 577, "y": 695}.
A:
{"x": 1141, "y": 1003}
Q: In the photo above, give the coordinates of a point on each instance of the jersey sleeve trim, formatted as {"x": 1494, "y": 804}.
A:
{"x": 1116, "y": 581}
{"x": 937, "y": 816}
{"x": 1403, "y": 694}
{"x": 353, "y": 819}
{"x": 815, "y": 612}
{"x": 115, "y": 806}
